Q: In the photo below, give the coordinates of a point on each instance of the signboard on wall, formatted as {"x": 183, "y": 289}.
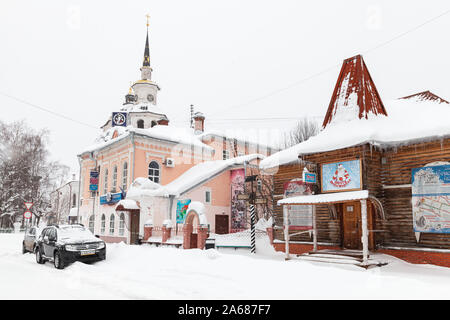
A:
{"x": 110, "y": 198}
{"x": 300, "y": 216}
{"x": 182, "y": 206}
{"x": 341, "y": 176}
{"x": 431, "y": 199}
{"x": 93, "y": 181}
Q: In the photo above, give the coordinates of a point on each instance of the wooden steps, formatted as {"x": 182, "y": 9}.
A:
{"x": 340, "y": 257}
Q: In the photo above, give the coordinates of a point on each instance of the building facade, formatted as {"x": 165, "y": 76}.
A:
{"x": 137, "y": 141}
{"x": 382, "y": 176}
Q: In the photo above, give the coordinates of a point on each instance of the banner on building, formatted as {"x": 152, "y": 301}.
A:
{"x": 238, "y": 206}
{"x": 431, "y": 199}
{"x": 119, "y": 119}
{"x": 341, "y": 176}
{"x": 300, "y": 216}
{"x": 182, "y": 206}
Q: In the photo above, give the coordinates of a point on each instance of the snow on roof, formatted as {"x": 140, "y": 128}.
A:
{"x": 128, "y": 204}
{"x": 408, "y": 122}
{"x": 242, "y": 134}
{"x": 425, "y": 95}
{"x": 355, "y": 95}
{"x": 142, "y": 107}
{"x": 178, "y": 135}
{"x": 199, "y": 208}
{"x": 326, "y": 198}
{"x": 73, "y": 212}
{"x": 192, "y": 177}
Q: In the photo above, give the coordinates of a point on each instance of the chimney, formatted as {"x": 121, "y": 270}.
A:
{"x": 199, "y": 122}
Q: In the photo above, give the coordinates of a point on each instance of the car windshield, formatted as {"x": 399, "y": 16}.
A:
{"x": 73, "y": 231}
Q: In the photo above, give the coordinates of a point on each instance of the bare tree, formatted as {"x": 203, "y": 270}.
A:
{"x": 303, "y": 130}
{"x": 26, "y": 174}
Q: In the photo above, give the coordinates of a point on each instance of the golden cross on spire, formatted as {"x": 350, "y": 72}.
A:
{"x": 148, "y": 18}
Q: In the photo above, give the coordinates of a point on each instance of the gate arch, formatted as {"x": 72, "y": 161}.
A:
{"x": 196, "y": 210}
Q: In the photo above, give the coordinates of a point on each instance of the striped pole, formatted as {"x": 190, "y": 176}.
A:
{"x": 252, "y": 228}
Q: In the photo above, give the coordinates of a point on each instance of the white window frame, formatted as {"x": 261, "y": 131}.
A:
{"x": 210, "y": 196}
{"x": 225, "y": 154}
{"x": 92, "y": 221}
{"x": 125, "y": 176}
{"x": 105, "y": 181}
{"x": 112, "y": 224}
{"x": 103, "y": 224}
{"x": 121, "y": 224}
{"x": 154, "y": 176}
{"x": 114, "y": 182}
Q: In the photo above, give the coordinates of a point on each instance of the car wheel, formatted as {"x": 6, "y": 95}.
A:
{"x": 58, "y": 262}
{"x": 39, "y": 258}
{"x": 24, "y": 250}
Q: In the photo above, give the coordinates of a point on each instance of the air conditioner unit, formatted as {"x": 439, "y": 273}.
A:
{"x": 170, "y": 162}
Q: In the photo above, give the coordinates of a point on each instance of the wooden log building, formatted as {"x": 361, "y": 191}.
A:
{"x": 386, "y": 151}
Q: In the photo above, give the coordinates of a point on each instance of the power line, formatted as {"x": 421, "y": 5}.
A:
{"x": 294, "y": 84}
{"x": 47, "y": 110}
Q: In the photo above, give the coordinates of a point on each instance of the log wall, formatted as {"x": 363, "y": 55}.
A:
{"x": 379, "y": 167}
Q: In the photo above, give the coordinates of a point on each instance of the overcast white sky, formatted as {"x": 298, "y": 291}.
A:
{"x": 231, "y": 59}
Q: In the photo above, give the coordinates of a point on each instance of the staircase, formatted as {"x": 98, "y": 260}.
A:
{"x": 353, "y": 257}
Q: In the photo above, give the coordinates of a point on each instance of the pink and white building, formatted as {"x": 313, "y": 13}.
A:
{"x": 149, "y": 153}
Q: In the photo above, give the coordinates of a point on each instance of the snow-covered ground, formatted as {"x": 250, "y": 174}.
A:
{"x": 146, "y": 272}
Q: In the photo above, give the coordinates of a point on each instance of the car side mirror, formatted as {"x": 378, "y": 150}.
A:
{"x": 97, "y": 236}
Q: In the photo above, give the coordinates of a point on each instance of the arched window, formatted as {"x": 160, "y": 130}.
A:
{"x": 114, "y": 182}
{"x": 111, "y": 224}
{"x": 91, "y": 223}
{"x": 153, "y": 171}
{"x": 103, "y": 224}
{"x": 125, "y": 176}
{"x": 122, "y": 224}
{"x": 153, "y": 123}
{"x": 140, "y": 124}
{"x": 105, "y": 182}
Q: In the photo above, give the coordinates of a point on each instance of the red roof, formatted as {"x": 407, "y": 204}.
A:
{"x": 354, "y": 90}
{"x": 426, "y": 95}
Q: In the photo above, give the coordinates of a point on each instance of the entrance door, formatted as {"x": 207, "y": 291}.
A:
{"x": 134, "y": 227}
{"x": 193, "y": 240}
{"x": 351, "y": 223}
{"x": 221, "y": 224}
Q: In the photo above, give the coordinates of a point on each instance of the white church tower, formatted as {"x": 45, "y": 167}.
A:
{"x": 141, "y": 100}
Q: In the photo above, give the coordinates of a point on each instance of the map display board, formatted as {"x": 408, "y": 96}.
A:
{"x": 341, "y": 176}
{"x": 300, "y": 216}
{"x": 431, "y": 199}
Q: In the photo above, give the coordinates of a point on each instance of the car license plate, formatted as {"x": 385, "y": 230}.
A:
{"x": 87, "y": 252}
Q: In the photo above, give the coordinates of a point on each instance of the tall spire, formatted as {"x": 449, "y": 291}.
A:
{"x": 147, "y": 48}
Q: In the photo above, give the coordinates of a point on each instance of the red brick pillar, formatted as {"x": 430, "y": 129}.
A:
{"x": 187, "y": 230}
{"x": 166, "y": 233}
{"x": 270, "y": 234}
{"x": 147, "y": 231}
{"x": 201, "y": 237}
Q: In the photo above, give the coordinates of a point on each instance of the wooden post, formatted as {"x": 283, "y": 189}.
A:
{"x": 286, "y": 231}
{"x": 365, "y": 233}
{"x": 314, "y": 228}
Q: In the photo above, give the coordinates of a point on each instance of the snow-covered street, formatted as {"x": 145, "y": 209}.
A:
{"x": 145, "y": 272}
